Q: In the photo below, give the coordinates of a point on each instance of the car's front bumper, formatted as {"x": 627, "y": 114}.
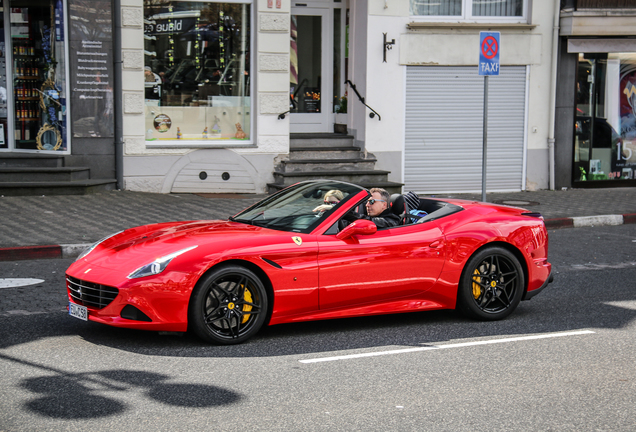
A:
{"x": 162, "y": 300}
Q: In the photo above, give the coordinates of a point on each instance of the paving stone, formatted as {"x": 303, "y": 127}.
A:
{"x": 78, "y": 219}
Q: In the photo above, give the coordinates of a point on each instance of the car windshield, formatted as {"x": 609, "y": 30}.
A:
{"x": 299, "y": 208}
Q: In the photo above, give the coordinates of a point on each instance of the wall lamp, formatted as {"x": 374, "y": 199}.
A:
{"x": 387, "y": 46}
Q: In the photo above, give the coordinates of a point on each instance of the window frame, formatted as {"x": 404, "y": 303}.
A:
{"x": 467, "y": 17}
{"x": 220, "y": 143}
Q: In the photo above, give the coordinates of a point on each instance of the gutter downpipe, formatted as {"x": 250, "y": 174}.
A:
{"x": 117, "y": 90}
{"x": 553, "y": 79}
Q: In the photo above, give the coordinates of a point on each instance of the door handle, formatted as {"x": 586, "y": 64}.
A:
{"x": 435, "y": 244}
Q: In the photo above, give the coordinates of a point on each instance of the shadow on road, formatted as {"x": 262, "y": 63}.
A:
{"x": 67, "y": 395}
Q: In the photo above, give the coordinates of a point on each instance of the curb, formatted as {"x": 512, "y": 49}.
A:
{"x": 590, "y": 221}
{"x": 30, "y": 253}
{"x": 21, "y": 253}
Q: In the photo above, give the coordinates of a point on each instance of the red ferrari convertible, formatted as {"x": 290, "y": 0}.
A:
{"x": 291, "y": 257}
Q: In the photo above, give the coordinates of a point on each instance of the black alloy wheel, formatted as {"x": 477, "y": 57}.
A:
{"x": 491, "y": 285}
{"x": 228, "y": 306}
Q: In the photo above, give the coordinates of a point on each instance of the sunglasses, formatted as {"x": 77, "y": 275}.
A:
{"x": 331, "y": 202}
{"x": 373, "y": 201}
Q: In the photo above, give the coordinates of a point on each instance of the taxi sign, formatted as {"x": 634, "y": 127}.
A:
{"x": 489, "y": 53}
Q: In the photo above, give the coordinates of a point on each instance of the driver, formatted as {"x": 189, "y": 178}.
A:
{"x": 377, "y": 209}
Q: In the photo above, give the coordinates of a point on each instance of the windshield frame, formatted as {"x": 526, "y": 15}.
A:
{"x": 293, "y": 208}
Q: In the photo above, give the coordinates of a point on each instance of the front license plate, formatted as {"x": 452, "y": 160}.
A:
{"x": 78, "y": 311}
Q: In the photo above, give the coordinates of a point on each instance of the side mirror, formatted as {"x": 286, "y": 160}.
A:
{"x": 361, "y": 226}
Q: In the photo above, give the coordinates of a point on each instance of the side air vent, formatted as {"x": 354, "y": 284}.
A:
{"x": 272, "y": 263}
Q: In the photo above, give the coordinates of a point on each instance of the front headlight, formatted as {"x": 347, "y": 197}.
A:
{"x": 158, "y": 265}
{"x": 94, "y": 245}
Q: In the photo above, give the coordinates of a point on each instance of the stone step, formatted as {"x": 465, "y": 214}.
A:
{"x": 52, "y": 174}
{"x": 314, "y": 156}
{"x": 328, "y": 165}
{"x": 76, "y": 187}
{"x": 319, "y": 140}
{"x": 8, "y": 160}
{"x": 354, "y": 176}
{"x": 391, "y": 187}
{"x": 324, "y": 153}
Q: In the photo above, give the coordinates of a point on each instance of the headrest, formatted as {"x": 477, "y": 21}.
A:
{"x": 398, "y": 205}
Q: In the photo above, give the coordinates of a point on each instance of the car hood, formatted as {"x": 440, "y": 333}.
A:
{"x": 139, "y": 246}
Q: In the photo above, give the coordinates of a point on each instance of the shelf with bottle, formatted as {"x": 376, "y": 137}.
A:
{"x": 26, "y": 68}
{"x": 23, "y": 47}
{"x": 26, "y": 128}
{"x": 26, "y": 90}
{"x": 27, "y": 111}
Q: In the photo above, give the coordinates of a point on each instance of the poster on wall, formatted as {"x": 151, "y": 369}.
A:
{"x": 624, "y": 161}
{"x": 91, "y": 73}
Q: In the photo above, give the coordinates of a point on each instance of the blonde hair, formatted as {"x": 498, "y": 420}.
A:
{"x": 335, "y": 193}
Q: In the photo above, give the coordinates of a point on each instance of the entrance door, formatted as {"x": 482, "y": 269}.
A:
{"x": 311, "y": 70}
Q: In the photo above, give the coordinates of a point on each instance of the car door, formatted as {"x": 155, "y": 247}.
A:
{"x": 390, "y": 264}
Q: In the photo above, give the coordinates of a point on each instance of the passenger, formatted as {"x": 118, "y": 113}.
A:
{"x": 331, "y": 199}
{"x": 378, "y": 210}
{"x": 413, "y": 201}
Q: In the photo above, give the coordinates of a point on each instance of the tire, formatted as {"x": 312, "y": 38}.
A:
{"x": 491, "y": 285}
{"x": 228, "y": 306}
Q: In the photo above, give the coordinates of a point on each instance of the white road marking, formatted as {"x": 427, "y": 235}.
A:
{"x": 13, "y": 313}
{"x": 625, "y": 304}
{"x": 12, "y": 283}
{"x": 447, "y": 346}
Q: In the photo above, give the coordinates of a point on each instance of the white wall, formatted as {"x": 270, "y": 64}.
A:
{"x": 444, "y": 45}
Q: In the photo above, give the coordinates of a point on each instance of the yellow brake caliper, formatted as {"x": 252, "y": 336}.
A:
{"x": 476, "y": 287}
{"x": 246, "y": 308}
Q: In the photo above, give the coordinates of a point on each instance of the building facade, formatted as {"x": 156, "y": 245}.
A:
{"x": 206, "y": 96}
{"x": 213, "y": 68}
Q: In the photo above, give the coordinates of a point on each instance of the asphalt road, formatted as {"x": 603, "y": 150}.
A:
{"x": 424, "y": 371}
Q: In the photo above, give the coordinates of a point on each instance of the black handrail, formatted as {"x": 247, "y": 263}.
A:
{"x": 293, "y": 101}
{"x": 371, "y": 114}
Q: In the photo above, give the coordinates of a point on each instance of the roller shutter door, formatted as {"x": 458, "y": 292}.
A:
{"x": 444, "y": 118}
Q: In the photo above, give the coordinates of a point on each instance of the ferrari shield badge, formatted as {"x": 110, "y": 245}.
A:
{"x": 297, "y": 240}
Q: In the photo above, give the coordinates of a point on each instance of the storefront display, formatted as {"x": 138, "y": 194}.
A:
{"x": 197, "y": 70}
{"x": 605, "y": 128}
{"x": 37, "y": 76}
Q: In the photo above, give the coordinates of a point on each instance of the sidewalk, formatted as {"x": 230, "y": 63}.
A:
{"x": 66, "y": 224}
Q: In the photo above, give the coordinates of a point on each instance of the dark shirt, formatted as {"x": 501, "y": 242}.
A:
{"x": 385, "y": 219}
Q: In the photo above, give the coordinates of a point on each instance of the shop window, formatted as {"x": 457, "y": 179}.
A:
{"x": 197, "y": 71}
{"x": 605, "y": 126}
{"x": 34, "y": 72}
{"x": 470, "y": 10}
